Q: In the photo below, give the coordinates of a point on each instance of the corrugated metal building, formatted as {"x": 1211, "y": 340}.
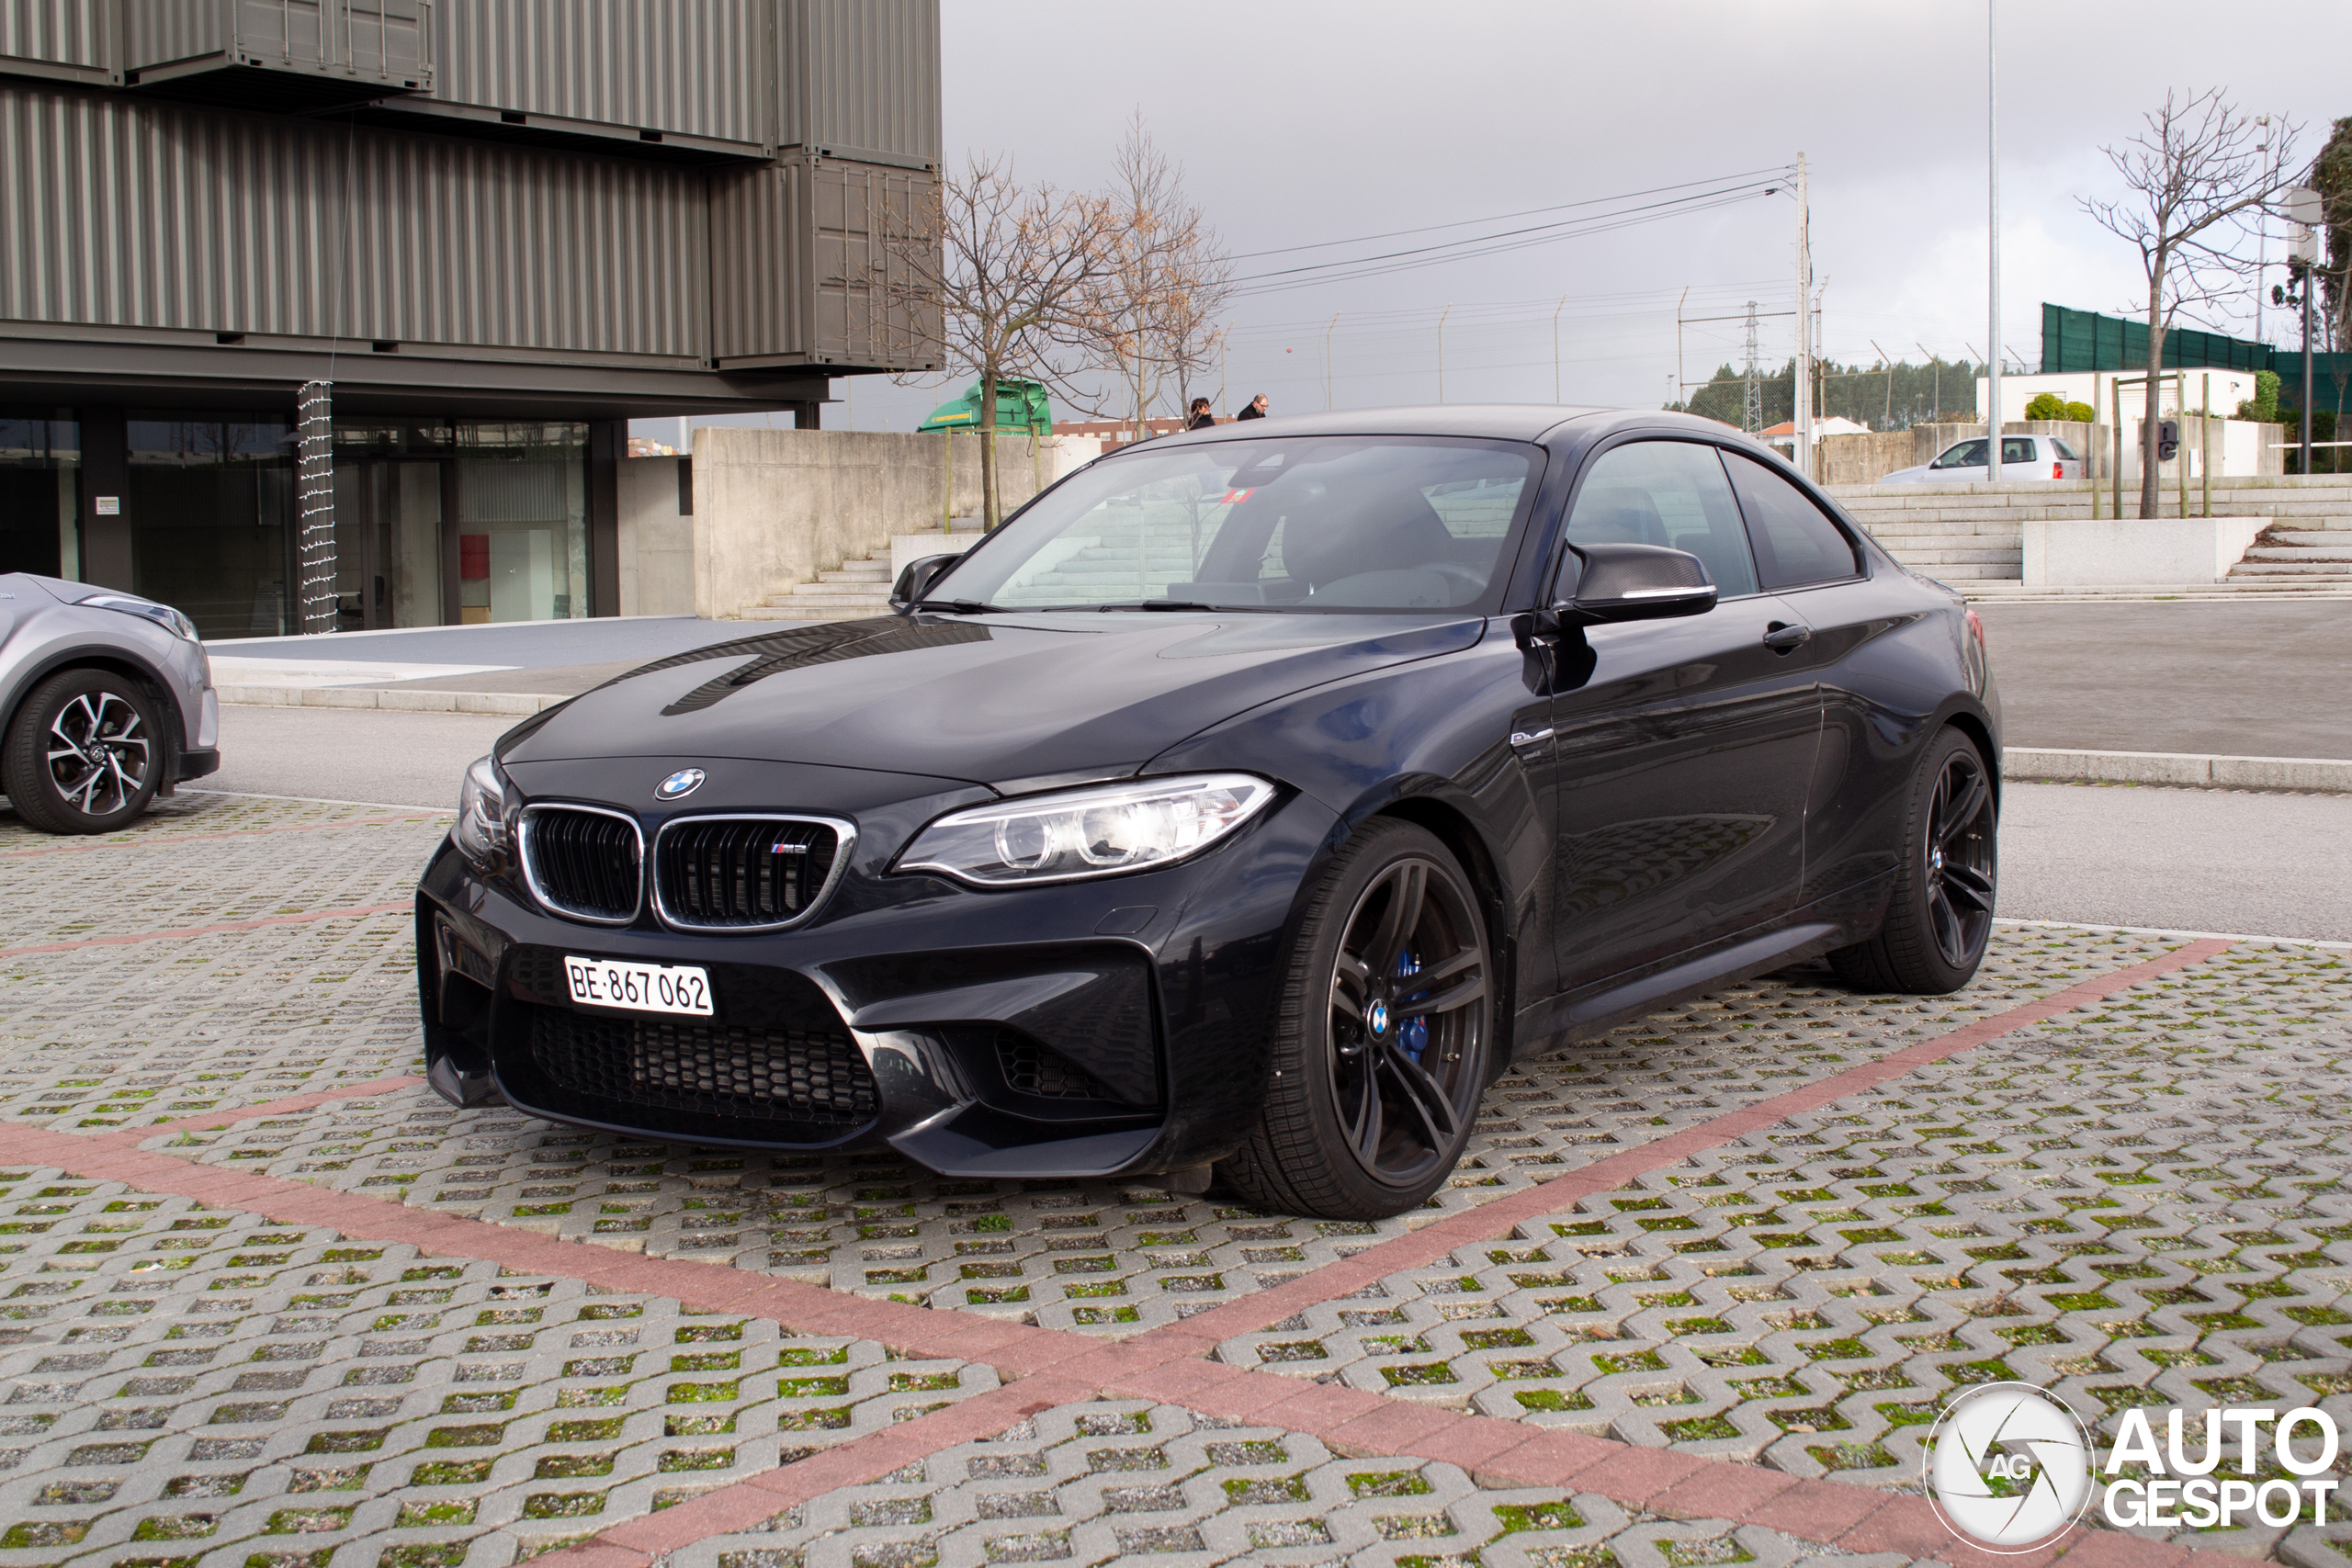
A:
{"x": 500, "y": 228}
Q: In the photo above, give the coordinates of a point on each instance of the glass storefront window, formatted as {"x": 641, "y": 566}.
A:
{"x": 522, "y": 522}
{"x": 210, "y": 502}
{"x": 212, "y": 509}
{"x": 40, "y": 495}
{"x": 388, "y": 495}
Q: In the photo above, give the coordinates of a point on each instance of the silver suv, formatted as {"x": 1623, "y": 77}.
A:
{"x": 106, "y": 700}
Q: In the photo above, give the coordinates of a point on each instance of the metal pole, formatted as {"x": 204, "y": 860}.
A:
{"x": 2308, "y": 280}
{"x": 1993, "y": 257}
{"x": 1802, "y": 387}
{"x": 1441, "y": 351}
{"x": 1681, "y": 383}
{"x": 2205, "y": 442}
{"x": 2117, "y": 386}
{"x": 2180, "y": 456}
{"x": 1333, "y": 323}
{"x": 2262, "y": 226}
{"x": 1556, "y": 346}
{"x": 2092, "y": 450}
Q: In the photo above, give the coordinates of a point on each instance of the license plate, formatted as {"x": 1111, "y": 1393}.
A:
{"x": 641, "y": 988}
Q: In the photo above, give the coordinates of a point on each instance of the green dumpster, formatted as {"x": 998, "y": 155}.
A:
{"x": 1021, "y": 407}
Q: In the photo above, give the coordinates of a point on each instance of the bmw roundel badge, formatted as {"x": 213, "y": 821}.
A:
{"x": 678, "y": 786}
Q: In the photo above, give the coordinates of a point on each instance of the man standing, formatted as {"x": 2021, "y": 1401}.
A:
{"x": 1201, "y": 418}
{"x": 1257, "y": 409}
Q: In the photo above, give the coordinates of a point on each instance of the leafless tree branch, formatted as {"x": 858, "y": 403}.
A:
{"x": 2195, "y": 178}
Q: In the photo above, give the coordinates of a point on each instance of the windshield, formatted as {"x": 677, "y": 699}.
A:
{"x": 1310, "y": 523}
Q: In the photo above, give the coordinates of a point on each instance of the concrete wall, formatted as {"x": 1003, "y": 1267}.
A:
{"x": 2238, "y": 448}
{"x": 772, "y": 508}
{"x": 2096, "y": 387}
{"x": 657, "y": 540}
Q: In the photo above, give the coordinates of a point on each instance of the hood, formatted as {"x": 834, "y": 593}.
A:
{"x": 1011, "y": 701}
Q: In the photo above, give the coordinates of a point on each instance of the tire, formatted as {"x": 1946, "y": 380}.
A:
{"x": 1375, "y": 1079}
{"x": 1941, "y": 914}
{"x": 84, "y": 754}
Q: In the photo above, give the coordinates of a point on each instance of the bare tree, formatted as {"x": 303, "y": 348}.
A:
{"x": 1156, "y": 306}
{"x": 2195, "y": 178}
{"x": 1006, "y": 272}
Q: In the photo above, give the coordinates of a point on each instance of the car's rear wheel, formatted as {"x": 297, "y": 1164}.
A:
{"x": 83, "y": 754}
{"x": 1381, "y": 1036}
{"x": 1941, "y": 914}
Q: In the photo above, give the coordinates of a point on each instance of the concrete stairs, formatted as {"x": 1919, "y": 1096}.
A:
{"x": 2304, "y": 553}
{"x": 859, "y": 590}
{"x": 1972, "y": 535}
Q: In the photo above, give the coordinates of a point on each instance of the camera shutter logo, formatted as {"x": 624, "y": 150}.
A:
{"x": 2008, "y": 1466}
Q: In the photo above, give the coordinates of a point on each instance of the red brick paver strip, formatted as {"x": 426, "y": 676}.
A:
{"x": 356, "y": 911}
{"x": 1489, "y": 1221}
{"x": 1056, "y": 1367}
{"x": 287, "y": 1107}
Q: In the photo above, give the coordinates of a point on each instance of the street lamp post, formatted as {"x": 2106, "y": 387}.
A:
{"x": 1993, "y": 259}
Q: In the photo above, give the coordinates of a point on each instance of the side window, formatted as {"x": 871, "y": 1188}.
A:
{"x": 1796, "y": 543}
{"x": 1666, "y": 493}
{"x": 2016, "y": 449}
{"x": 1967, "y": 455}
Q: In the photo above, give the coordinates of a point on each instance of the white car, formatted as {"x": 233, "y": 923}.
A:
{"x": 2022, "y": 458}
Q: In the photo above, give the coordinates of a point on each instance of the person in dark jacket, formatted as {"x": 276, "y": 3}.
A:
{"x": 1257, "y": 409}
{"x": 1201, "y": 418}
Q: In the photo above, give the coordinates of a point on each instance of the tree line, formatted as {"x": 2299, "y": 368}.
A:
{"x": 1884, "y": 397}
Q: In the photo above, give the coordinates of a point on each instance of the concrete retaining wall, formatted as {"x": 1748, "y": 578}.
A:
{"x": 772, "y": 508}
{"x": 2076, "y": 552}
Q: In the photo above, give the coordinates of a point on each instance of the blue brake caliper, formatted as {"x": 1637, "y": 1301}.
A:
{"x": 1413, "y": 1036}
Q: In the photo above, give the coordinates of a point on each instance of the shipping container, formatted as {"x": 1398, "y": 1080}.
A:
{"x": 650, "y": 71}
{"x": 276, "y": 54}
{"x": 71, "y": 40}
{"x": 806, "y": 270}
{"x": 859, "y": 79}
{"x": 127, "y": 213}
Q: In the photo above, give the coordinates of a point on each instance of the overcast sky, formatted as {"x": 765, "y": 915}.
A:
{"x": 1299, "y": 122}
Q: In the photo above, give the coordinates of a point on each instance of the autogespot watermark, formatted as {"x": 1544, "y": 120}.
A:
{"x": 2011, "y": 1468}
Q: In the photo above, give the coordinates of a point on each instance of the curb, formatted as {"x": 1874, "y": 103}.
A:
{"x": 2322, "y": 774}
{"x": 512, "y": 703}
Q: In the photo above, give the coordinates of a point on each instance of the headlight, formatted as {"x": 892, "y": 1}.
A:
{"x": 480, "y": 831}
{"x": 1098, "y": 832}
{"x": 164, "y": 615}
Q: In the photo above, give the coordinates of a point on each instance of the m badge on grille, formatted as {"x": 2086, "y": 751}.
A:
{"x": 682, "y": 782}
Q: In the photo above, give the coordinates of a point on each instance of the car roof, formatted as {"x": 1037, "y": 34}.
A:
{"x": 1508, "y": 421}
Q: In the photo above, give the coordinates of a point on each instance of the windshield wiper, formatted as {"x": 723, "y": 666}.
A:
{"x": 958, "y": 606}
{"x": 1158, "y": 605}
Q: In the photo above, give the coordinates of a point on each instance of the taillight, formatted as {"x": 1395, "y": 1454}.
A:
{"x": 2057, "y": 469}
{"x": 1975, "y": 627}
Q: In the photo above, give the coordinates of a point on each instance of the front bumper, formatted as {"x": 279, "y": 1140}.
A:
{"x": 1090, "y": 1029}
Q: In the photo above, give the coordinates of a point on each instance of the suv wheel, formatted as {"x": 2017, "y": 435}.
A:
{"x": 1381, "y": 1036}
{"x": 83, "y": 754}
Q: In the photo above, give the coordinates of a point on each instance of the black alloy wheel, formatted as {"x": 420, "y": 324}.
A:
{"x": 1941, "y": 914}
{"x": 1381, "y": 1036}
{"x": 84, "y": 754}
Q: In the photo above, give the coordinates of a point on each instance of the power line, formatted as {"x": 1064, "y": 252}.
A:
{"x": 1506, "y": 217}
{"x": 1492, "y": 244}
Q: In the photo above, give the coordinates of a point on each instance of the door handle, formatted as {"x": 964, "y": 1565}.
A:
{"x": 1783, "y": 637}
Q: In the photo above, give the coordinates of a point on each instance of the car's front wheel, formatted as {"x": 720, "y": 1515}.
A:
{"x": 1381, "y": 1036}
{"x": 1940, "y": 916}
{"x": 83, "y": 754}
